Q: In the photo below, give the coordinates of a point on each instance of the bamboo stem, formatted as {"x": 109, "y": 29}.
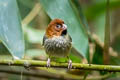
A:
{"x": 35, "y": 63}
{"x": 52, "y": 75}
{"x": 107, "y": 35}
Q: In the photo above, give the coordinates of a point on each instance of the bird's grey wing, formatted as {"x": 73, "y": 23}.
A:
{"x": 69, "y": 37}
{"x": 44, "y": 38}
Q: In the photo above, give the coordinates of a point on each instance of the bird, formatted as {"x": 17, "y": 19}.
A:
{"x": 57, "y": 42}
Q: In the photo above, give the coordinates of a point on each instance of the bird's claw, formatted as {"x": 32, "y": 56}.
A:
{"x": 48, "y": 62}
{"x": 69, "y": 64}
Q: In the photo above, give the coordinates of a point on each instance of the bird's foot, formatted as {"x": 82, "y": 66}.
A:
{"x": 48, "y": 62}
{"x": 69, "y": 64}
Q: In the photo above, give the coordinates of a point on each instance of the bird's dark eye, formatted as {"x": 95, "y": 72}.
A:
{"x": 58, "y": 26}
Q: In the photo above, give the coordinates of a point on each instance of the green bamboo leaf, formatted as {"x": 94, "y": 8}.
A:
{"x": 99, "y": 26}
{"x": 99, "y": 8}
{"x": 63, "y": 10}
{"x": 80, "y": 13}
{"x": 98, "y": 53}
{"x": 10, "y": 28}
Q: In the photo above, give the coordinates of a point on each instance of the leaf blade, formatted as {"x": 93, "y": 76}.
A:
{"x": 10, "y": 28}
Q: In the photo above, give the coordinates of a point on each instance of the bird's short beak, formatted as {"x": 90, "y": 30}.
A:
{"x": 64, "y": 26}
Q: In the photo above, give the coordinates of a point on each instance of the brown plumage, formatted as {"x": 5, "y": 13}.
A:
{"x": 56, "y": 41}
{"x": 52, "y": 30}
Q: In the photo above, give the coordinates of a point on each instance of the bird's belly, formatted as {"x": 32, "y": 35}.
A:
{"x": 57, "y": 51}
{"x": 57, "y": 48}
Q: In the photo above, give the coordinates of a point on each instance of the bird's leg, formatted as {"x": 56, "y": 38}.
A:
{"x": 48, "y": 62}
{"x": 69, "y": 63}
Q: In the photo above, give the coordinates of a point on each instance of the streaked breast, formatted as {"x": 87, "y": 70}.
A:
{"x": 57, "y": 47}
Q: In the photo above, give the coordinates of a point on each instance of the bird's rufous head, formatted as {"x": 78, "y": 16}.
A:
{"x": 56, "y": 28}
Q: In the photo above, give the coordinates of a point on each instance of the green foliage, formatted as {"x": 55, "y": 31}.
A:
{"x": 98, "y": 8}
{"x": 10, "y": 28}
{"x": 34, "y": 35}
{"x": 72, "y": 12}
{"x": 98, "y": 55}
{"x": 99, "y": 25}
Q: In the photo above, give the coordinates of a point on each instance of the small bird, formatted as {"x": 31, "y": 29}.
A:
{"x": 57, "y": 42}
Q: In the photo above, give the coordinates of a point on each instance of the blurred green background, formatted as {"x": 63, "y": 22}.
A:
{"x": 30, "y": 19}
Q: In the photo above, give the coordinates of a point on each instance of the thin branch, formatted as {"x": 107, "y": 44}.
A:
{"x": 101, "y": 44}
{"x": 51, "y": 75}
{"x": 30, "y": 63}
{"x": 32, "y": 14}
